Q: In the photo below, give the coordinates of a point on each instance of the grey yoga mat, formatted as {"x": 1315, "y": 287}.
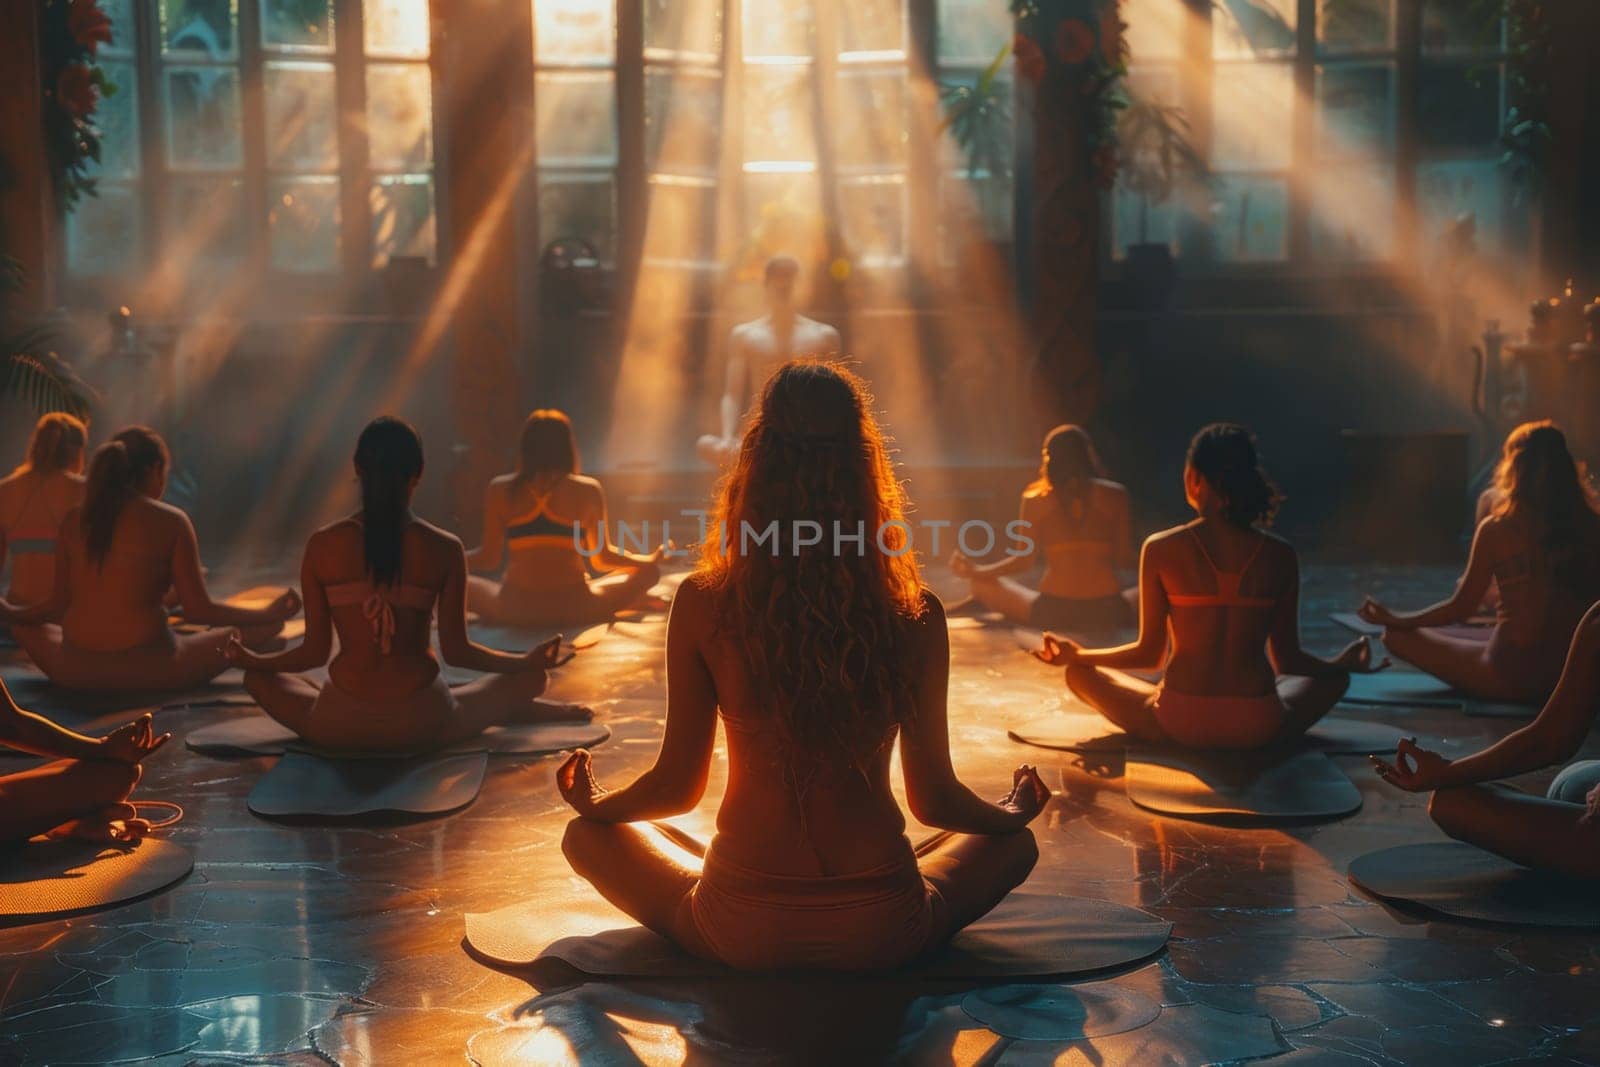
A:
{"x": 1238, "y": 785}
{"x": 1411, "y": 689}
{"x": 1465, "y": 881}
{"x": 305, "y": 785}
{"x": 1027, "y": 935}
{"x": 258, "y": 735}
{"x": 1470, "y": 631}
{"x": 45, "y": 878}
{"x": 1060, "y": 1012}
{"x": 1080, "y": 732}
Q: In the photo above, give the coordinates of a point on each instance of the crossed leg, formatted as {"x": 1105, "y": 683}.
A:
{"x": 1531, "y": 830}
{"x": 1306, "y": 700}
{"x": 1461, "y": 662}
{"x": 1005, "y": 595}
{"x": 189, "y": 660}
{"x": 1124, "y": 699}
{"x": 61, "y": 792}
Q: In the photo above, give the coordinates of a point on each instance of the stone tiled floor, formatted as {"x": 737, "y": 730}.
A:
{"x": 295, "y": 944}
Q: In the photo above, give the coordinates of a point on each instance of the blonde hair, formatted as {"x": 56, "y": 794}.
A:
{"x": 57, "y": 443}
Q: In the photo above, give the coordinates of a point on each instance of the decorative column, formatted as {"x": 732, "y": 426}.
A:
{"x": 28, "y": 219}
{"x": 485, "y": 76}
{"x": 1070, "y": 57}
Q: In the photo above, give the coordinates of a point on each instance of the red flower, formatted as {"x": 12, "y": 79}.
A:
{"x": 76, "y": 90}
{"x": 89, "y": 26}
{"x": 1030, "y": 58}
{"x": 1074, "y": 42}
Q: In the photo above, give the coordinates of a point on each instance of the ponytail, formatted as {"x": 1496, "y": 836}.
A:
{"x": 388, "y": 459}
{"x": 118, "y": 469}
{"x": 1224, "y": 454}
{"x": 1068, "y": 470}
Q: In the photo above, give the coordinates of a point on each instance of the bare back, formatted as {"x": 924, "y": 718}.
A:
{"x": 117, "y": 602}
{"x": 1081, "y": 553}
{"x": 335, "y": 557}
{"x": 32, "y": 507}
{"x": 538, "y": 523}
{"x": 845, "y": 817}
{"x": 1224, "y": 593}
{"x": 1543, "y": 593}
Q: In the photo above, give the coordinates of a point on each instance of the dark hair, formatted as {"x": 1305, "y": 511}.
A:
{"x": 1224, "y": 454}
{"x": 388, "y": 459}
{"x": 57, "y": 442}
{"x": 115, "y": 474}
{"x": 1538, "y": 479}
{"x": 1067, "y": 469}
{"x": 548, "y": 445}
{"x": 781, "y": 268}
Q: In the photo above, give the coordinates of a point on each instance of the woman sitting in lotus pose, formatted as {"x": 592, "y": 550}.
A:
{"x": 33, "y": 501}
{"x": 815, "y": 662}
{"x": 1229, "y": 592}
{"x": 377, "y": 578}
{"x": 546, "y": 520}
{"x": 1078, "y": 521}
{"x": 1556, "y": 832}
{"x": 116, "y": 558}
{"x": 83, "y": 790}
{"x": 1540, "y": 546}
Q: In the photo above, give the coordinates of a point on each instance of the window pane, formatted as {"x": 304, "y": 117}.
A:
{"x": 682, "y": 219}
{"x": 1458, "y": 105}
{"x": 873, "y": 221}
{"x": 1253, "y": 27}
{"x": 118, "y": 119}
{"x": 783, "y": 216}
{"x": 973, "y": 31}
{"x": 205, "y": 222}
{"x": 399, "y": 116}
{"x": 1355, "y": 110}
{"x": 1456, "y": 26}
{"x": 577, "y": 118}
{"x": 103, "y": 232}
{"x": 683, "y": 26}
{"x": 973, "y": 209}
{"x": 777, "y": 28}
{"x": 1343, "y": 25}
{"x": 396, "y": 27}
{"x": 203, "y": 118}
{"x": 302, "y": 117}
{"x": 1448, "y": 190}
{"x": 402, "y": 217}
{"x": 297, "y": 24}
{"x": 1155, "y": 29}
{"x": 1253, "y": 111}
{"x": 778, "y": 114}
{"x": 199, "y": 27}
{"x": 1251, "y": 219}
{"x": 872, "y": 26}
{"x": 1134, "y": 220}
{"x": 304, "y": 224}
{"x": 1352, "y": 212}
{"x": 682, "y": 120}
{"x": 581, "y": 209}
{"x": 575, "y": 31}
{"x": 120, "y": 12}
{"x": 871, "y": 130}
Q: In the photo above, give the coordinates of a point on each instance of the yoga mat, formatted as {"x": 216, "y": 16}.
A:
{"x": 1060, "y": 1012}
{"x": 1027, "y": 935}
{"x": 1467, "y": 631}
{"x": 1079, "y": 732}
{"x": 1408, "y": 689}
{"x": 1465, "y": 881}
{"x": 45, "y": 878}
{"x": 1494, "y": 709}
{"x": 302, "y": 784}
{"x": 1238, "y": 785}
{"x": 259, "y": 735}
{"x": 37, "y": 693}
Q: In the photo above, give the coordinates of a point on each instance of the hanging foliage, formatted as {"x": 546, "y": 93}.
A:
{"x": 71, "y": 33}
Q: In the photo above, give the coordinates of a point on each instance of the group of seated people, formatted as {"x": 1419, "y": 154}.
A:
{"x": 816, "y": 662}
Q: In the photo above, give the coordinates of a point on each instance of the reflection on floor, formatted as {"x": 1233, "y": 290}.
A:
{"x": 311, "y": 944}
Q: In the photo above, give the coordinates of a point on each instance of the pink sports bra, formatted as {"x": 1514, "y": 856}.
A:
{"x": 378, "y": 604}
{"x": 1228, "y": 582}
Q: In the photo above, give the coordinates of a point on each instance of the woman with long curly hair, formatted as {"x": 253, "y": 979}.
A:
{"x": 546, "y": 522}
{"x": 1229, "y": 594}
{"x": 819, "y": 649}
{"x": 1540, "y": 545}
{"x": 1078, "y": 521}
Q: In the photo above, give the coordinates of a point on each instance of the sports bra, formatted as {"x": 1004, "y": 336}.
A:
{"x": 32, "y": 538}
{"x": 378, "y": 604}
{"x": 1228, "y": 582}
{"x": 538, "y": 526}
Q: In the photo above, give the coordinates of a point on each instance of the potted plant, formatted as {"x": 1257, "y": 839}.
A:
{"x": 978, "y": 117}
{"x": 1156, "y": 157}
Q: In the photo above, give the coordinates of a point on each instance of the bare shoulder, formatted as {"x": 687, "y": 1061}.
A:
{"x": 586, "y": 484}
{"x": 1111, "y": 490}
{"x": 502, "y": 483}
{"x": 1279, "y": 549}
{"x": 166, "y": 515}
{"x": 436, "y": 538}
{"x": 1161, "y": 542}
{"x": 693, "y": 606}
{"x": 932, "y": 621}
